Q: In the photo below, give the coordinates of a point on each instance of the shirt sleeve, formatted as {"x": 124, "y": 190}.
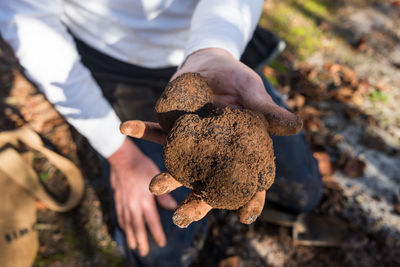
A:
{"x": 226, "y": 24}
{"x": 48, "y": 54}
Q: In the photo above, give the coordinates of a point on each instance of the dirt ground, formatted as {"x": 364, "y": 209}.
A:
{"x": 340, "y": 72}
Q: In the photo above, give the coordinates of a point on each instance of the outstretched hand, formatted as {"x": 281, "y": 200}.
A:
{"x": 233, "y": 84}
{"x": 131, "y": 173}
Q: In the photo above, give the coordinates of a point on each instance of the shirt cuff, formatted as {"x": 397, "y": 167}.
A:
{"x": 231, "y": 40}
{"x": 102, "y": 133}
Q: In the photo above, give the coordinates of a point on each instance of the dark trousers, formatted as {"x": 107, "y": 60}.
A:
{"x": 133, "y": 92}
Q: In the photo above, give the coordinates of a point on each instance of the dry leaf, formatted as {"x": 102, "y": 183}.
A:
{"x": 234, "y": 261}
{"x": 362, "y": 88}
{"x": 308, "y": 112}
{"x": 297, "y": 101}
{"x": 351, "y": 113}
{"x": 373, "y": 142}
{"x": 317, "y": 140}
{"x": 334, "y": 68}
{"x": 349, "y": 76}
{"x": 396, "y": 4}
{"x": 324, "y": 163}
{"x": 354, "y": 167}
{"x": 397, "y": 207}
{"x": 343, "y": 94}
{"x": 360, "y": 44}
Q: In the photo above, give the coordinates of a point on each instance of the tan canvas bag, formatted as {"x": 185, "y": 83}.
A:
{"x": 19, "y": 189}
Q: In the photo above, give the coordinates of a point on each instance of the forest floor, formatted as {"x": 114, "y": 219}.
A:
{"x": 341, "y": 73}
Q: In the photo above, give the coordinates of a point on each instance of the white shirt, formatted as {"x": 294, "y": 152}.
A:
{"x": 148, "y": 33}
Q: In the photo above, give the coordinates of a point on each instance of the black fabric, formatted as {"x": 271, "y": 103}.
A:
{"x": 131, "y": 90}
{"x": 262, "y": 47}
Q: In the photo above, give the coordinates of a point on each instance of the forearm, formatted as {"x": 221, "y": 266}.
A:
{"x": 226, "y": 24}
{"x": 48, "y": 55}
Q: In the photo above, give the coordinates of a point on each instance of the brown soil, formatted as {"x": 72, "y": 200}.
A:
{"x": 224, "y": 154}
{"x": 170, "y": 106}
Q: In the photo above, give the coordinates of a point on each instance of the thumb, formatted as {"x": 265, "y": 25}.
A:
{"x": 167, "y": 201}
{"x": 280, "y": 121}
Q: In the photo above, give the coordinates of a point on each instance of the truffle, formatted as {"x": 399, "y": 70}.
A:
{"x": 224, "y": 154}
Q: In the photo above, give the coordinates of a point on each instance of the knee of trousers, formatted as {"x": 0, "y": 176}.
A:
{"x": 299, "y": 191}
{"x": 298, "y": 185}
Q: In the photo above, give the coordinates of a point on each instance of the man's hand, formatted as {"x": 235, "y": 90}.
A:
{"x": 234, "y": 84}
{"x": 131, "y": 173}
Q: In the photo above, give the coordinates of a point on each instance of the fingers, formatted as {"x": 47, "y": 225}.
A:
{"x": 163, "y": 183}
{"x": 249, "y": 212}
{"x": 191, "y": 210}
{"x": 124, "y": 220}
{"x": 135, "y": 228}
{"x": 130, "y": 236}
{"x": 139, "y": 227}
{"x": 281, "y": 121}
{"x": 154, "y": 223}
{"x": 146, "y": 130}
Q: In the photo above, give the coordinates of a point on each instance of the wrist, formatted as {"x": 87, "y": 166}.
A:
{"x": 127, "y": 154}
{"x": 200, "y": 61}
{"x": 210, "y": 52}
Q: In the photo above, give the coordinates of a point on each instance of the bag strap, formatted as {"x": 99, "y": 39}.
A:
{"x": 12, "y": 164}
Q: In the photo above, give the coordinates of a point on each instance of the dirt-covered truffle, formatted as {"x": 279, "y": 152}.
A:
{"x": 224, "y": 154}
{"x": 186, "y": 94}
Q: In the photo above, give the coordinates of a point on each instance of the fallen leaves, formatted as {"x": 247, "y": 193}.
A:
{"x": 311, "y": 118}
{"x": 301, "y": 81}
{"x": 373, "y": 141}
{"x": 397, "y": 207}
{"x": 324, "y": 163}
{"x": 343, "y": 94}
{"x": 396, "y": 4}
{"x": 307, "y": 96}
{"x": 296, "y": 102}
{"x": 361, "y": 44}
{"x": 234, "y": 261}
{"x": 31, "y": 107}
{"x": 342, "y": 75}
{"x": 354, "y": 167}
